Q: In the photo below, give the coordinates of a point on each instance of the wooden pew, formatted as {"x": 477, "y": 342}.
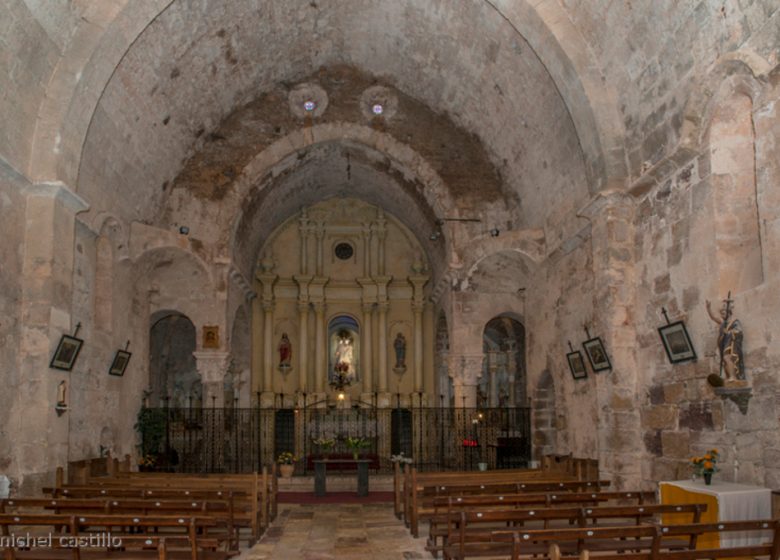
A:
{"x": 445, "y": 507}
{"x": 637, "y": 542}
{"x": 245, "y": 511}
{"x": 478, "y": 526}
{"x": 224, "y": 512}
{"x": 419, "y": 501}
{"x": 75, "y": 536}
{"x": 563, "y": 541}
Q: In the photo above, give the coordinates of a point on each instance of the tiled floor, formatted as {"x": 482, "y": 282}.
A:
{"x": 335, "y": 531}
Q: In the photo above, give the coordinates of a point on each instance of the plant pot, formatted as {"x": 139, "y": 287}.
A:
{"x": 355, "y": 455}
{"x": 286, "y": 471}
{"x": 482, "y": 466}
{"x": 708, "y": 478}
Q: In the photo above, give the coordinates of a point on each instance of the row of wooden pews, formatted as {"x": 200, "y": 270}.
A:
{"x": 152, "y": 514}
{"x": 552, "y": 513}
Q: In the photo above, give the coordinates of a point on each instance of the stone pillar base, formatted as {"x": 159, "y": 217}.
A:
{"x": 267, "y": 399}
{"x": 386, "y": 400}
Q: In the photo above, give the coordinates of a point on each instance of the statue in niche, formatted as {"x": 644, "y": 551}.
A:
{"x": 285, "y": 352}
{"x": 344, "y": 356}
{"x": 399, "y": 345}
{"x": 730, "y": 336}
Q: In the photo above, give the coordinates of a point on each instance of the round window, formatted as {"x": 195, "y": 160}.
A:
{"x": 344, "y": 251}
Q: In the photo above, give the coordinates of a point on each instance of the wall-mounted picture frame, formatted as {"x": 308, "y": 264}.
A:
{"x": 577, "y": 364}
{"x": 66, "y": 353}
{"x": 211, "y": 336}
{"x": 597, "y": 354}
{"x": 119, "y": 364}
{"x": 677, "y": 342}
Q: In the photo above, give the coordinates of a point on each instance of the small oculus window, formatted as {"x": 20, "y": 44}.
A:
{"x": 344, "y": 251}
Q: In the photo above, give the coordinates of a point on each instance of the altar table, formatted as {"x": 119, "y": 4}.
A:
{"x": 726, "y": 501}
{"x": 320, "y": 466}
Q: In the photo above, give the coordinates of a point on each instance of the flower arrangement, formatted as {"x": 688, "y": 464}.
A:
{"x": 325, "y": 443}
{"x": 286, "y": 458}
{"x": 706, "y": 464}
{"x": 400, "y": 458}
{"x": 356, "y": 444}
{"x": 148, "y": 460}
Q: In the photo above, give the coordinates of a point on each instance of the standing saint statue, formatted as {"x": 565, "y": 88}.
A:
{"x": 344, "y": 354}
{"x": 729, "y": 341}
{"x": 285, "y": 351}
{"x": 399, "y": 345}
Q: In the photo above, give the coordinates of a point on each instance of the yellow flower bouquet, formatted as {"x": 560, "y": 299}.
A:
{"x": 706, "y": 465}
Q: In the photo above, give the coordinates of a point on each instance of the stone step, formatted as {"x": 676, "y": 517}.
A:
{"x": 336, "y": 483}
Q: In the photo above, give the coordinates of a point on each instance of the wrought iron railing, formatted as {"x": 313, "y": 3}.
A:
{"x": 202, "y": 440}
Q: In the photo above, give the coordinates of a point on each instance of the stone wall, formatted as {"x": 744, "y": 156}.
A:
{"x": 12, "y": 203}
{"x": 681, "y": 224}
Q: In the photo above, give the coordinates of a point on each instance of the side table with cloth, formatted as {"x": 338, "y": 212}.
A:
{"x": 726, "y": 501}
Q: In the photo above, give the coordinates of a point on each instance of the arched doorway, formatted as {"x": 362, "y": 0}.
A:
{"x": 173, "y": 376}
{"x": 503, "y": 381}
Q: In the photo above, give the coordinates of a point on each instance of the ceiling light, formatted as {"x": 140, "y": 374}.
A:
{"x": 494, "y": 232}
{"x": 184, "y": 230}
{"x": 434, "y": 236}
{"x": 309, "y": 105}
{"x": 378, "y": 109}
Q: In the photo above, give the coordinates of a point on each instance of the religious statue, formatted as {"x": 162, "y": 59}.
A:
{"x": 344, "y": 354}
{"x": 400, "y": 351}
{"x": 62, "y": 394}
{"x": 285, "y": 352}
{"x": 729, "y": 341}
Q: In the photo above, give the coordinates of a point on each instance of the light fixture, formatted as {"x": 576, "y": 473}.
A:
{"x": 378, "y": 109}
{"x": 309, "y": 105}
{"x": 494, "y": 232}
{"x": 184, "y": 230}
{"x": 434, "y": 236}
{"x": 341, "y": 396}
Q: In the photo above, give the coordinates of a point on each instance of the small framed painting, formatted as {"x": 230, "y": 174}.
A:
{"x": 577, "y": 365}
{"x": 597, "y": 354}
{"x": 66, "y": 353}
{"x": 118, "y": 366}
{"x": 677, "y": 342}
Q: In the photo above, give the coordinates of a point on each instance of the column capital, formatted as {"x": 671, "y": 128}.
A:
{"x": 267, "y": 305}
{"x": 368, "y": 306}
{"x": 211, "y": 366}
{"x": 465, "y": 369}
{"x": 303, "y": 306}
{"x": 319, "y": 307}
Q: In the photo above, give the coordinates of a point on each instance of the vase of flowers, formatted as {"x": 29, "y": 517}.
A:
{"x": 356, "y": 444}
{"x": 706, "y": 465}
{"x": 286, "y": 462}
{"x": 325, "y": 444}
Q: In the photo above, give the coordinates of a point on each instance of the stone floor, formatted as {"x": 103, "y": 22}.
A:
{"x": 335, "y": 531}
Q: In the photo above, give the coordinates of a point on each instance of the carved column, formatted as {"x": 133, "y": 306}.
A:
{"x": 381, "y": 234}
{"x": 382, "y": 358}
{"x": 268, "y": 346}
{"x": 368, "y": 339}
{"x": 492, "y": 358}
{"x": 320, "y": 235}
{"x": 417, "y": 308}
{"x": 366, "y": 250}
{"x": 320, "y": 372}
{"x": 303, "y": 352}
{"x": 611, "y": 215}
{"x": 511, "y": 371}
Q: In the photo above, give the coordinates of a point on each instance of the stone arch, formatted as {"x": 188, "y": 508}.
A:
{"x": 108, "y": 246}
{"x": 503, "y": 381}
{"x": 260, "y": 174}
{"x": 240, "y": 367}
{"x": 99, "y": 45}
{"x": 173, "y": 375}
{"x": 731, "y": 135}
{"x": 443, "y": 381}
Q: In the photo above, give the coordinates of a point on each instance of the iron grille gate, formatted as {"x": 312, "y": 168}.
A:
{"x": 235, "y": 440}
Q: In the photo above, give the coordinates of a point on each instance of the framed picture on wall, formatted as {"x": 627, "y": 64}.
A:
{"x": 121, "y": 359}
{"x": 66, "y": 353}
{"x": 677, "y": 342}
{"x": 597, "y": 354}
{"x": 577, "y": 365}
